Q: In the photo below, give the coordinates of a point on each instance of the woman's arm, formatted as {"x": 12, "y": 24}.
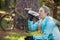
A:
{"x": 32, "y": 26}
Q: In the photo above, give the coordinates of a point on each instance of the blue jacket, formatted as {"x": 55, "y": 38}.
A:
{"x": 49, "y": 29}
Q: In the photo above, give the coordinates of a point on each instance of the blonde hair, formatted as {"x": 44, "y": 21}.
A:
{"x": 46, "y": 9}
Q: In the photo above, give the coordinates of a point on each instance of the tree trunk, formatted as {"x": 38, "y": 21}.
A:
{"x": 21, "y": 4}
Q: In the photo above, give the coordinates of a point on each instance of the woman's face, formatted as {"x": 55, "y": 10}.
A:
{"x": 42, "y": 13}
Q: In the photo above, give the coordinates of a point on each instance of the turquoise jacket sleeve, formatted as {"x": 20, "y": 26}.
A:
{"x": 31, "y": 26}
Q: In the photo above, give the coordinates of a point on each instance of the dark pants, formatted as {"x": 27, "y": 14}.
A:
{"x": 29, "y": 38}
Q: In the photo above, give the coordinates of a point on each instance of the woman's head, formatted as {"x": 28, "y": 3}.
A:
{"x": 44, "y": 11}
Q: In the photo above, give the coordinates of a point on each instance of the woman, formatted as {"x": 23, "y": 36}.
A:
{"x": 48, "y": 27}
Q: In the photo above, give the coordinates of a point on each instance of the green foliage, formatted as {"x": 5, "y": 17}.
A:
{"x": 15, "y": 36}
{"x": 13, "y": 2}
{"x": 3, "y": 5}
{"x": 59, "y": 27}
{"x": 41, "y": 3}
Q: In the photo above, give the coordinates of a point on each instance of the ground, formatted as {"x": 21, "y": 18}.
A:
{"x": 12, "y": 35}
{"x": 15, "y": 34}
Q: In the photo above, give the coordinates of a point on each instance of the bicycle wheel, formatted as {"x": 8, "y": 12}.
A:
{"x": 6, "y": 22}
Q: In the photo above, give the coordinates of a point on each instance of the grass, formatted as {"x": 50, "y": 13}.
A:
{"x": 15, "y": 36}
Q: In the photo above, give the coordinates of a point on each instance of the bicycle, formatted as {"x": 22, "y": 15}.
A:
{"x": 7, "y": 21}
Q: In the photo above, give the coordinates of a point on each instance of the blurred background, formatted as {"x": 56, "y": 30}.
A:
{"x": 18, "y": 19}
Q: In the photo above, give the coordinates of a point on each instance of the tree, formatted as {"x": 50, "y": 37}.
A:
{"x": 21, "y": 4}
